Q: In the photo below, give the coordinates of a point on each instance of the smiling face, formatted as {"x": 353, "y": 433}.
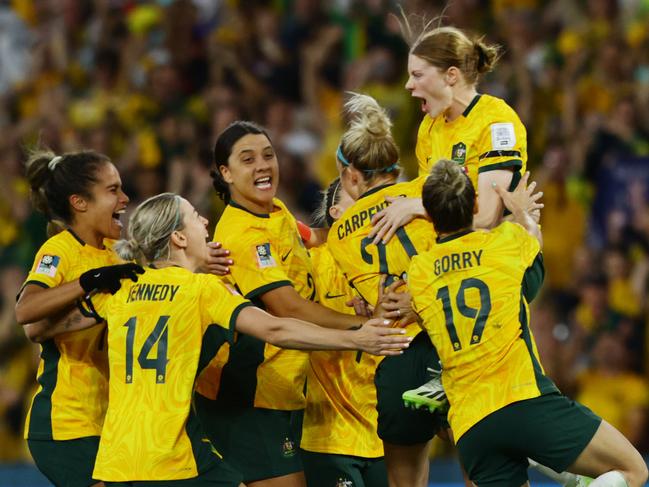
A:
{"x": 106, "y": 204}
{"x": 430, "y": 85}
{"x": 252, "y": 173}
{"x": 195, "y": 234}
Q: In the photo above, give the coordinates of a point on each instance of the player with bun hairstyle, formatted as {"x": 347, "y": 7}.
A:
{"x": 367, "y": 160}
{"x": 479, "y": 132}
{"x": 80, "y": 192}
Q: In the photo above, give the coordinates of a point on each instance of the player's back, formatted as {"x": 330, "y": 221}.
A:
{"x": 468, "y": 291}
{"x": 363, "y": 262}
{"x": 162, "y": 331}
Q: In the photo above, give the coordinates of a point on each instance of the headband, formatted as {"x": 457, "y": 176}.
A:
{"x": 343, "y": 160}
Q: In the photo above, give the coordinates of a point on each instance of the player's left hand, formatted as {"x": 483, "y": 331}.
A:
{"x": 218, "y": 261}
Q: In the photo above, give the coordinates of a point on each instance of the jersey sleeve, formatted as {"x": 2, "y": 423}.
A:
{"x": 220, "y": 304}
{"x": 528, "y": 245}
{"x": 503, "y": 144}
{"x": 257, "y": 267}
{"x": 51, "y": 266}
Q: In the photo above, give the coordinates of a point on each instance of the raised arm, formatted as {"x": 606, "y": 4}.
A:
{"x": 521, "y": 202}
{"x": 373, "y": 337}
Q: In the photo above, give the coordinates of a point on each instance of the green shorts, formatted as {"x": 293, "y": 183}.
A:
{"x": 259, "y": 443}
{"x": 329, "y": 470}
{"x": 397, "y": 424}
{"x": 66, "y": 462}
{"x": 221, "y": 475}
{"x": 550, "y": 429}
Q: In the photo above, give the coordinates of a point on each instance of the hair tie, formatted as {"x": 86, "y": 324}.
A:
{"x": 54, "y": 162}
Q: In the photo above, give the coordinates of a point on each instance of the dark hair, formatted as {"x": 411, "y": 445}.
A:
{"x": 330, "y": 197}
{"x": 449, "y": 197}
{"x": 53, "y": 179}
{"x": 223, "y": 148}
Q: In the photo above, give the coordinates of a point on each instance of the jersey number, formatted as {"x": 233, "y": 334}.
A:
{"x": 479, "y": 315}
{"x": 406, "y": 243}
{"x": 157, "y": 336}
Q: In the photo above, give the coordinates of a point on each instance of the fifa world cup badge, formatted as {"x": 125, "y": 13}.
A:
{"x": 264, "y": 257}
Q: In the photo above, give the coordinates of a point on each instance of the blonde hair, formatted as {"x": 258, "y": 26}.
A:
{"x": 445, "y": 46}
{"x": 368, "y": 144}
{"x": 150, "y": 228}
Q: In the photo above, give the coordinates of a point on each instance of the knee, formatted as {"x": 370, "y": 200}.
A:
{"x": 637, "y": 473}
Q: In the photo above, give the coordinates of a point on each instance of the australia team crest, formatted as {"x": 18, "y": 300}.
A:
{"x": 458, "y": 153}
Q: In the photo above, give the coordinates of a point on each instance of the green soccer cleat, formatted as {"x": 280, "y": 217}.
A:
{"x": 429, "y": 396}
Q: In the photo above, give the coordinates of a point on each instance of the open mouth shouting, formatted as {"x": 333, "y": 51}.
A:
{"x": 117, "y": 217}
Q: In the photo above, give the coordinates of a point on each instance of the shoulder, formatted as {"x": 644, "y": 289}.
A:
{"x": 496, "y": 108}
{"x": 63, "y": 243}
{"x": 425, "y": 125}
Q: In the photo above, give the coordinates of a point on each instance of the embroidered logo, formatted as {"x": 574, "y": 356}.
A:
{"x": 48, "y": 265}
{"x": 344, "y": 483}
{"x": 458, "y": 153}
{"x": 264, "y": 257}
{"x": 288, "y": 448}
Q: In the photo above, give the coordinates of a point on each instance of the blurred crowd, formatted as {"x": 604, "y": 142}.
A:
{"x": 151, "y": 84}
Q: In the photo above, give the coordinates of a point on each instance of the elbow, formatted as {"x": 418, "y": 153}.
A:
{"x": 34, "y": 333}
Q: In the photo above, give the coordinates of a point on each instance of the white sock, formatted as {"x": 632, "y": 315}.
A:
{"x": 562, "y": 478}
{"x": 610, "y": 479}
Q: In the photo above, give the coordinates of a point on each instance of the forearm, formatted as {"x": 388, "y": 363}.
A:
{"x": 301, "y": 335}
{"x": 524, "y": 219}
{"x": 316, "y": 313}
{"x": 35, "y": 305}
{"x": 46, "y": 329}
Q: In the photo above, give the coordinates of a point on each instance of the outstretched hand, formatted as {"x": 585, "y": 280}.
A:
{"x": 378, "y": 338}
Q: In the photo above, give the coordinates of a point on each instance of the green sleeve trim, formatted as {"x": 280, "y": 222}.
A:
{"x": 233, "y": 319}
{"x": 499, "y": 153}
{"x": 267, "y": 287}
{"x": 512, "y": 163}
{"x": 533, "y": 278}
{"x": 37, "y": 283}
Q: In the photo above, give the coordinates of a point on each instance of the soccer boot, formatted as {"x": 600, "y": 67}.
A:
{"x": 429, "y": 396}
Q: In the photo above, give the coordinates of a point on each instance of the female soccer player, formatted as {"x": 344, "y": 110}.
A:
{"x": 468, "y": 293}
{"x": 481, "y": 133}
{"x": 367, "y": 161}
{"x": 339, "y": 439}
{"x": 163, "y": 331}
{"x": 83, "y": 191}
{"x": 254, "y": 386}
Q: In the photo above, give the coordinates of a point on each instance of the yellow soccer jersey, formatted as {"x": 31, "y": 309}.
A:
{"x": 363, "y": 262}
{"x": 468, "y": 292}
{"x": 268, "y": 253}
{"x": 487, "y": 136}
{"x": 73, "y": 371}
{"x": 340, "y": 416}
{"x": 162, "y": 331}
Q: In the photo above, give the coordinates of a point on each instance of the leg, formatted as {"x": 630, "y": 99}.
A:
{"x": 609, "y": 450}
{"x": 407, "y": 465}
